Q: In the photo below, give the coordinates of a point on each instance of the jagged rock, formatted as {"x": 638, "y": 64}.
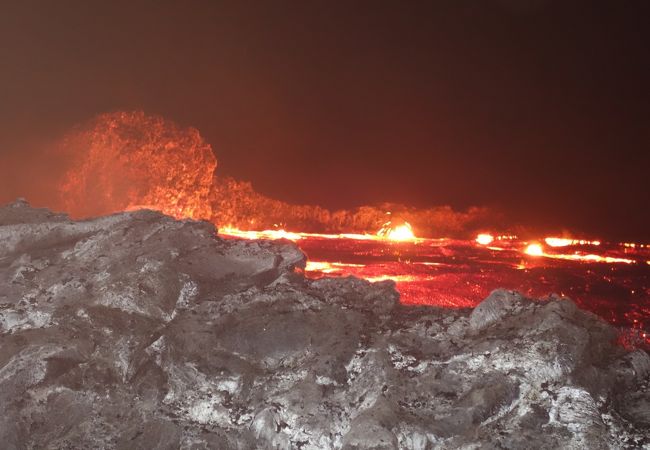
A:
{"x": 138, "y": 331}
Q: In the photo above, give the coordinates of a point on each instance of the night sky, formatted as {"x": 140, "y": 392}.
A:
{"x": 537, "y": 108}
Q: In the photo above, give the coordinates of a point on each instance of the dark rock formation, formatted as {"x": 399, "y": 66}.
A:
{"x": 139, "y": 331}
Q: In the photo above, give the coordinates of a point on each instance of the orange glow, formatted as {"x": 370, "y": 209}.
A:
{"x": 565, "y": 242}
{"x": 460, "y": 273}
{"x": 592, "y": 258}
{"x": 404, "y": 233}
{"x": 395, "y": 278}
{"x": 398, "y": 233}
{"x": 558, "y": 242}
{"x": 328, "y": 267}
{"x": 633, "y": 245}
{"x": 264, "y": 234}
{"x": 484, "y": 239}
{"x": 325, "y": 267}
{"x": 128, "y": 160}
{"x": 291, "y": 235}
{"x": 534, "y": 249}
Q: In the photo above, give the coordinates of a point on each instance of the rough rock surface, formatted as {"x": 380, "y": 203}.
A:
{"x": 139, "y": 331}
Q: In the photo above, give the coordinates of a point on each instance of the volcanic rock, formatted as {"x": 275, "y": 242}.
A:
{"x": 139, "y": 331}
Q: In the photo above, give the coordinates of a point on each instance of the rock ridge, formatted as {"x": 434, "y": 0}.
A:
{"x": 136, "y": 330}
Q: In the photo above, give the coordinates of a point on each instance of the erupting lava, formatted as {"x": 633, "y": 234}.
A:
{"x": 124, "y": 161}
{"x": 402, "y": 232}
{"x": 128, "y": 160}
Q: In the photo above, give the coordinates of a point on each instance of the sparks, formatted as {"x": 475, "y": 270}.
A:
{"x": 398, "y": 233}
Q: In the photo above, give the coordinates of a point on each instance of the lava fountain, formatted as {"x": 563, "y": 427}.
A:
{"x": 129, "y": 160}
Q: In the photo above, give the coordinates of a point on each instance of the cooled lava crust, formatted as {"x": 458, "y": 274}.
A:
{"x": 140, "y": 331}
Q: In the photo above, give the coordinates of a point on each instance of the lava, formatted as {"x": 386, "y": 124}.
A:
{"x": 534, "y": 249}
{"x": 565, "y": 242}
{"x": 129, "y": 160}
{"x": 264, "y": 234}
{"x": 484, "y": 239}
{"x": 403, "y": 232}
{"x": 457, "y": 273}
{"x": 400, "y": 233}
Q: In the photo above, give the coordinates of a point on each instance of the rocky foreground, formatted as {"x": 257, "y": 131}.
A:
{"x": 139, "y": 331}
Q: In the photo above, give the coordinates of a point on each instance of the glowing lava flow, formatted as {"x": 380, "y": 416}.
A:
{"x": 565, "y": 242}
{"x": 459, "y": 273}
{"x": 536, "y": 249}
{"x": 264, "y": 234}
{"x": 401, "y": 233}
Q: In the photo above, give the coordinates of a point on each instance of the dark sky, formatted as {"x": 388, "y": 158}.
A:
{"x": 539, "y": 108}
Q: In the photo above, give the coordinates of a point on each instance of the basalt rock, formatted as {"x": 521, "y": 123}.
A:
{"x": 139, "y": 331}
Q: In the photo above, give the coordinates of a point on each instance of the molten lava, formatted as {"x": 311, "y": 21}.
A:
{"x": 460, "y": 273}
{"x": 128, "y": 160}
{"x": 399, "y": 233}
{"x": 484, "y": 239}
{"x": 565, "y": 242}
{"x": 534, "y": 249}
{"x": 123, "y": 161}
